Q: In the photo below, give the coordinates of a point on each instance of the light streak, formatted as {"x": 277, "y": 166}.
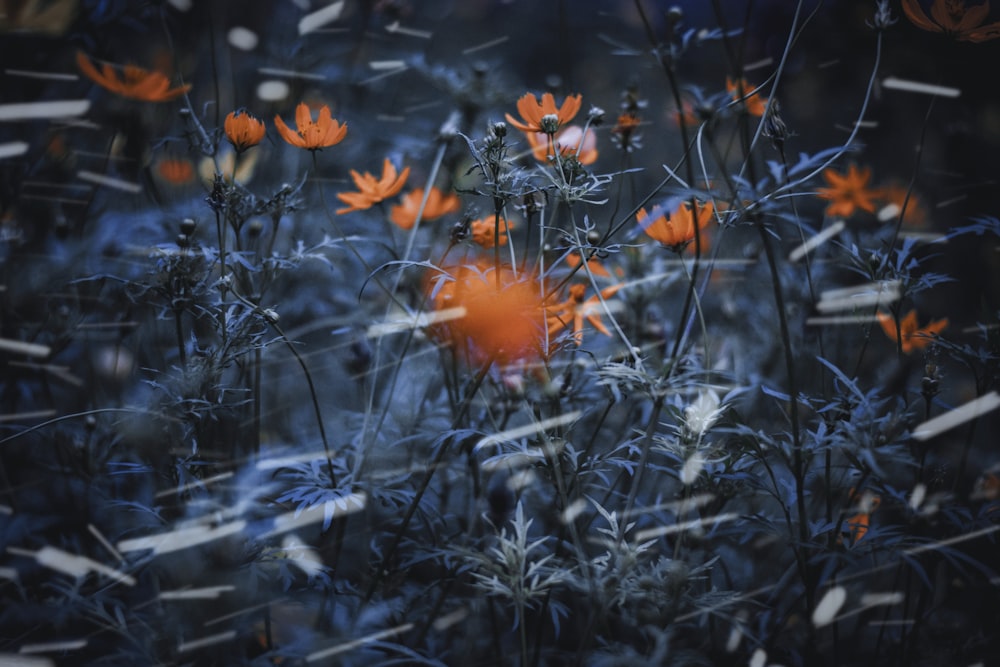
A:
{"x": 351, "y": 645}
{"x": 27, "y": 349}
{"x": 859, "y": 296}
{"x": 196, "y": 644}
{"x": 65, "y": 645}
{"x": 48, "y": 76}
{"x": 527, "y": 429}
{"x": 319, "y": 18}
{"x": 651, "y": 533}
{"x": 104, "y": 543}
{"x": 949, "y": 420}
{"x": 817, "y": 240}
{"x": 184, "y": 538}
{"x": 485, "y": 45}
{"x": 893, "y": 83}
{"x": 344, "y": 505}
{"x": 42, "y": 110}
{"x": 394, "y": 27}
{"x": 206, "y": 593}
{"x": 13, "y": 149}
{"x": 71, "y": 564}
{"x": 828, "y": 606}
{"x": 108, "y": 181}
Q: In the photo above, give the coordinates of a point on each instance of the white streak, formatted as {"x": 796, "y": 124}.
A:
{"x": 71, "y": 564}
{"x": 692, "y": 468}
{"x": 881, "y": 599}
{"x": 242, "y": 38}
{"x": 321, "y": 17}
{"x": 485, "y": 45}
{"x": 283, "y": 523}
{"x": 892, "y": 83}
{"x": 419, "y": 321}
{"x": 284, "y": 461}
{"x": 108, "y": 181}
{"x": 272, "y": 90}
{"x": 971, "y": 410}
{"x": 651, "y": 533}
{"x": 917, "y": 497}
{"x": 828, "y": 607}
{"x": 207, "y": 593}
{"x": 859, "y": 296}
{"x": 43, "y": 110}
{"x": 6, "y": 509}
{"x": 527, "y": 429}
{"x": 24, "y": 416}
{"x": 675, "y": 506}
{"x": 290, "y": 73}
{"x": 448, "y": 620}
{"x": 573, "y": 510}
{"x": 49, "y": 76}
{"x": 888, "y": 212}
{"x": 28, "y": 349}
{"x": 8, "y": 573}
{"x": 13, "y": 149}
{"x": 350, "y": 646}
{"x": 185, "y": 538}
{"x": 819, "y": 239}
{"x": 382, "y": 65}
{"x": 411, "y": 32}
{"x": 758, "y": 659}
{"x": 200, "y": 482}
{"x": 67, "y": 645}
{"x": 104, "y": 543}
{"x": 13, "y": 660}
{"x": 207, "y": 641}
{"x": 840, "y": 319}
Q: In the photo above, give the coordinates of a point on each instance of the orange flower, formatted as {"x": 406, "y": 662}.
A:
{"x": 502, "y": 324}
{"x": 482, "y": 231}
{"x": 243, "y": 129}
{"x": 175, "y": 171}
{"x": 135, "y": 83}
{"x": 533, "y": 111}
{"x": 404, "y": 214}
{"x": 954, "y": 18}
{"x": 372, "y": 190}
{"x": 567, "y": 140}
{"x": 676, "y": 229}
{"x": 313, "y": 135}
{"x": 910, "y": 336}
{"x": 574, "y": 260}
{"x": 848, "y": 192}
{"x": 894, "y": 196}
{"x": 857, "y": 524}
{"x": 575, "y": 310}
{"x": 741, "y": 90}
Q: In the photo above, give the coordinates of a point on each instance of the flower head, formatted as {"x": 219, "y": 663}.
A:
{"x": 312, "y": 134}
{"x": 372, "y": 190}
{"x": 404, "y": 214}
{"x": 243, "y": 129}
{"x": 954, "y": 18}
{"x": 892, "y": 197}
{"x": 741, "y": 90}
{"x": 569, "y": 141}
{"x": 848, "y": 192}
{"x": 533, "y": 111}
{"x": 484, "y": 228}
{"x": 135, "y": 82}
{"x": 910, "y": 336}
{"x": 677, "y": 229}
{"x": 503, "y": 324}
{"x": 575, "y": 310}
{"x": 175, "y": 171}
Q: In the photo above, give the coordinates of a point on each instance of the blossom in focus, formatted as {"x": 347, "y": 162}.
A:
{"x": 576, "y": 310}
{"x": 372, "y": 190}
{"x": 910, "y": 336}
{"x": 534, "y": 111}
{"x": 243, "y": 129}
{"x": 404, "y": 214}
{"x": 135, "y": 82}
{"x": 312, "y": 134}
{"x": 954, "y": 18}
{"x": 676, "y": 229}
{"x": 848, "y": 192}
{"x": 568, "y": 141}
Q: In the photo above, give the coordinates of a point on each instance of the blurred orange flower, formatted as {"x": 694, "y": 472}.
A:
{"x": 954, "y": 18}
{"x": 372, "y": 190}
{"x": 575, "y": 310}
{"x": 175, "y": 171}
{"x": 857, "y": 524}
{"x": 312, "y": 134}
{"x": 741, "y": 90}
{"x": 910, "y": 336}
{"x": 676, "y": 229}
{"x": 894, "y": 195}
{"x": 574, "y": 259}
{"x": 532, "y": 111}
{"x": 483, "y": 229}
{"x": 503, "y": 324}
{"x": 135, "y": 83}
{"x": 567, "y": 140}
{"x": 243, "y": 129}
{"x": 848, "y": 192}
{"x": 404, "y": 214}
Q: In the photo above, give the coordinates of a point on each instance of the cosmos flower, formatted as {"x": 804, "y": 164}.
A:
{"x": 910, "y": 336}
{"x": 567, "y": 140}
{"x": 312, "y": 134}
{"x": 741, "y": 90}
{"x": 371, "y": 190}
{"x": 482, "y": 231}
{"x": 892, "y": 198}
{"x": 848, "y": 192}
{"x": 575, "y": 311}
{"x": 954, "y": 18}
{"x": 533, "y": 112}
{"x": 404, "y": 214}
{"x": 243, "y": 129}
{"x": 675, "y": 230}
{"x": 175, "y": 171}
{"x": 135, "y": 82}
